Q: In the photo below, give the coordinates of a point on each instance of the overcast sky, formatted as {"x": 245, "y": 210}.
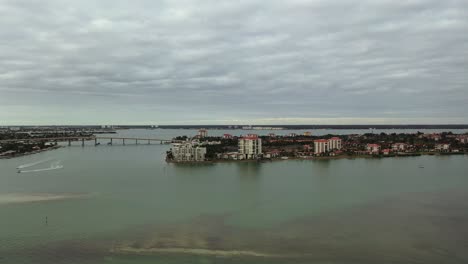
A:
{"x": 222, "y": 62}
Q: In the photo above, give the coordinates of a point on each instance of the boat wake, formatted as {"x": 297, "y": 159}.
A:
{"x": 24, "y": 166}
{"x": 54, "y": 166}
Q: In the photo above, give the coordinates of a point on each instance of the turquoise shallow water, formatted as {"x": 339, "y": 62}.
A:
{"x": 110, "y": 198}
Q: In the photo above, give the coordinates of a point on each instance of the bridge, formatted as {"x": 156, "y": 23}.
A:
{"x": 83, "y": 139}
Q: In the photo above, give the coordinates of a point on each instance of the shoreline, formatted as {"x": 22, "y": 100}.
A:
{"x": 30, "y": 153}
{"x": 317, "y": 158}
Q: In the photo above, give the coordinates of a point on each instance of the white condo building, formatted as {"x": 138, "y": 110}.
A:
{"x": 250, "y": 146}
{"x": 188, "y": 151}
{"x": 202, "y": 133}
{"x": 326, "y": 145}
{"x": 320, "y": 146}
{"x": 334, "y": 143}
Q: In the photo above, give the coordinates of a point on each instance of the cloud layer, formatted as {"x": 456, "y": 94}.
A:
{"x": 296, "y": 61}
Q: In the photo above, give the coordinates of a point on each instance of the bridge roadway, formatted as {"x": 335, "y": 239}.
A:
{"x": 90, "y": 138}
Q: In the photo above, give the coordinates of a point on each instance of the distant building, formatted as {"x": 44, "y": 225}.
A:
{"x": 373, "y": 148}
{"x": 399, "y": 146}
{"x": 307, "y": 134}
{"x": 433, "y": 136}
{"x": 320, "y": 146}
{"x": 202, "y": 133}
{"x": 227, "y": 136}
{"x": 250, "y": 146}
{"x": 272, "y": 135}
{"x": 334, "y": 143}
{"x": 463, "y": 139}
{"x": 188, "y": 151}
{"x": 292, "y": 134}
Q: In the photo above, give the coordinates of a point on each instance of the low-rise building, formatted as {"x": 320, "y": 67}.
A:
{"x": 463, "y": 139}
{"x": 373, "y": 148}
{"x": 307, "y": 134}
{"x": 399, "y": 146}
{"x": 272, "y": 154}
{"x": 250, "y": 146}
{"x": 443, "y": 147}
{"x": 188, "y": 151}
{"x": 231, "y": 156}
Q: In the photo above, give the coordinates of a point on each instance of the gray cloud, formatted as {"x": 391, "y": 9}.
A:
{"x": 176, "y": 61}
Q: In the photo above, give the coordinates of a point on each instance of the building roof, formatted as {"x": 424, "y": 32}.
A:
{"x": 373, "y": 145}
{"x": 250, "y": 137}
{"x": 335, "y": 138}
{"x": 321, "y": 140}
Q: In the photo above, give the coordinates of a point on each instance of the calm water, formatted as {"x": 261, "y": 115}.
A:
{"x": 124, "y": 204}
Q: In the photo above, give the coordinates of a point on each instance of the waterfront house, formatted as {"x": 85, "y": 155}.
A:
{"x": 373, "y": 148}
{"x": 443, "y": 147}
{"x": 399, "y": 147}
{"x": 272, "y": 154}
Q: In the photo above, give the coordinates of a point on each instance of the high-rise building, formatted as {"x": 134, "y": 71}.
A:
{"x": 320, "y": 146}
{"x": 334, "y": 143}
{"x": 202, "y": 133}
{"x": 326, "y": 145}
{"x": 250, "y": 146}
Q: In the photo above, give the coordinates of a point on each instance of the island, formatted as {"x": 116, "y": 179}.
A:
{"x": 204, "y": 148}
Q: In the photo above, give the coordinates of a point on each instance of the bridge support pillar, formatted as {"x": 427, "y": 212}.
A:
{"x": 69, "y": 142}
{"x": 111, "y": 141}
{"x": 136, "y": 141}
{"x": 82, "y": 142}
{"x": 123, "y": 141}
{"x": 149, "y": 143}
{"x": 95, "y": 142}
{"x": 160, "y": 142}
